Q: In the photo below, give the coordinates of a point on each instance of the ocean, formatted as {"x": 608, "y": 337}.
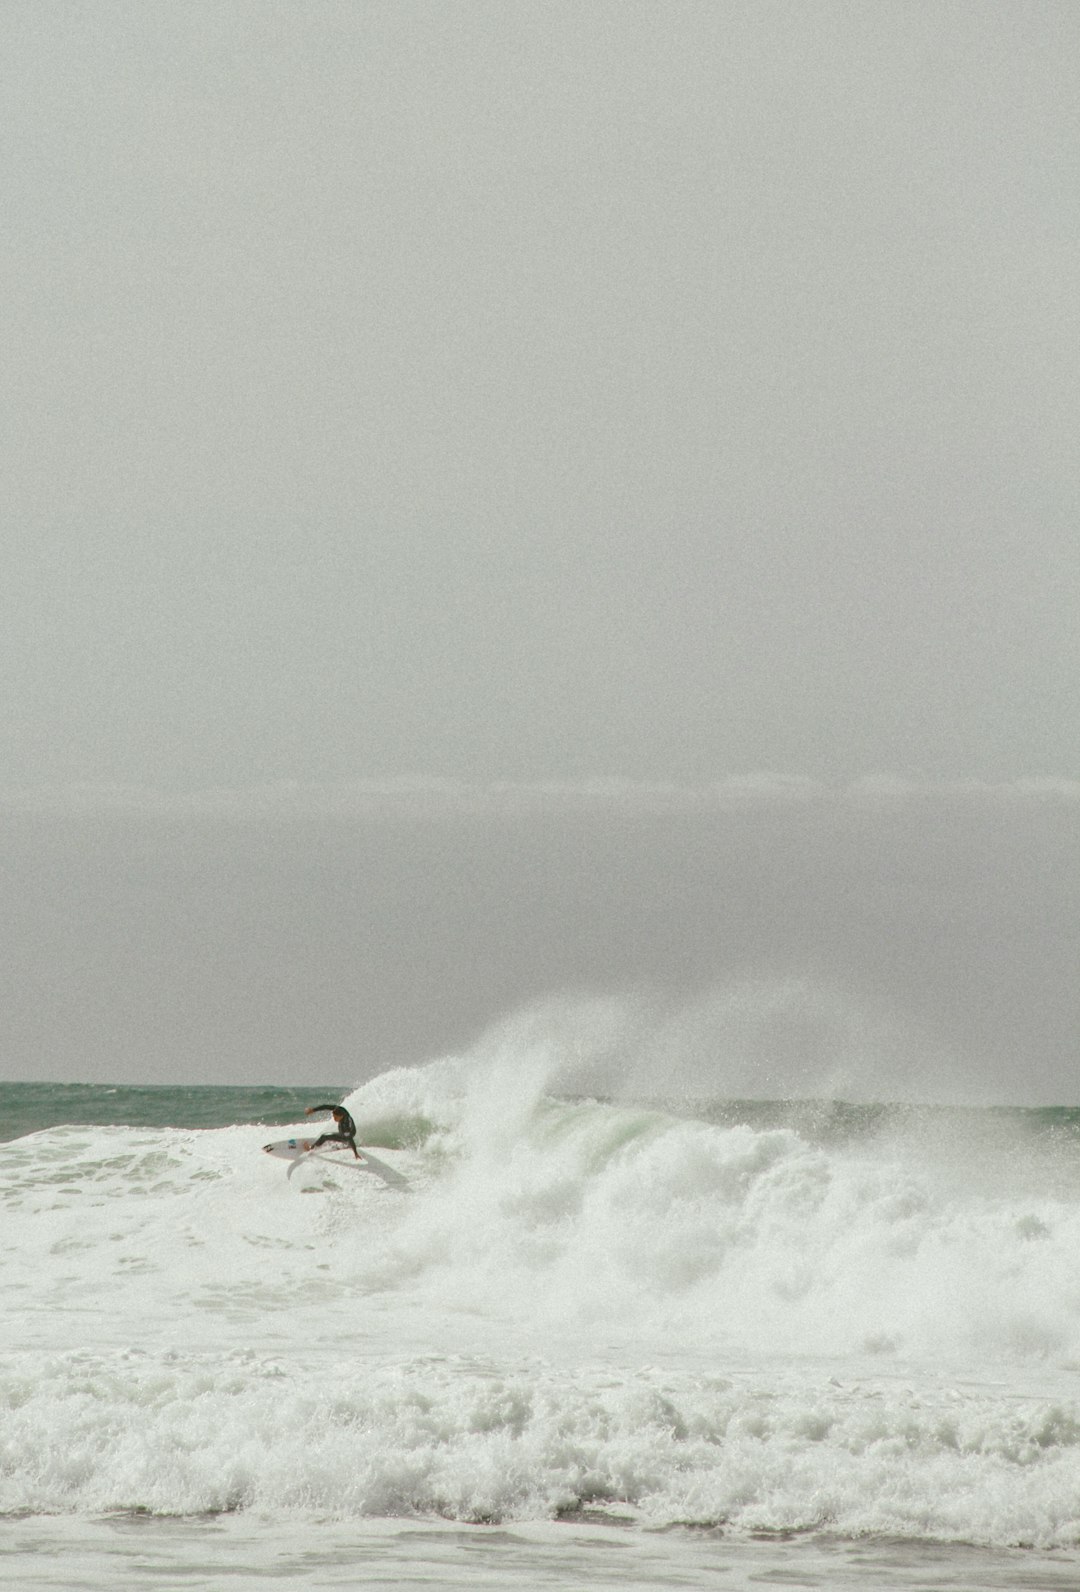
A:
{"x": 593, "y": 1342}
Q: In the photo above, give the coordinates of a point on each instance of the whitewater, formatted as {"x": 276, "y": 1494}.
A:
{"x": 647, "y": 1343}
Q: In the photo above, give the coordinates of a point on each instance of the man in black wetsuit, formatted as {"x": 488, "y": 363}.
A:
{"x": 346, "y": 1128}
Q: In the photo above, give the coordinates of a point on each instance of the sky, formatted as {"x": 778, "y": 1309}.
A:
{"x": 405, "y": 402}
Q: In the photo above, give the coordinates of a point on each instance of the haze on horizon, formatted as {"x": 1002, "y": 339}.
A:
{"x": 490, "y": 396}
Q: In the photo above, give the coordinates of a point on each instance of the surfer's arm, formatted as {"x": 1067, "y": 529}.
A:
{"x": 309, "y": 1111}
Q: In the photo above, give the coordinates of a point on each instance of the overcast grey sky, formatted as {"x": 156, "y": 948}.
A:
{"x": 416, "y": 415}
{"x": 527, "y": 391}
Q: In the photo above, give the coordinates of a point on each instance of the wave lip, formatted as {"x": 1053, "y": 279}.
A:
{"x": 531, "y": 1219}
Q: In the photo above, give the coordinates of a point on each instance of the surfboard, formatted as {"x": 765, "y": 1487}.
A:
{"x": 289, "y": 1149}
{"x": 297, "y": 1150}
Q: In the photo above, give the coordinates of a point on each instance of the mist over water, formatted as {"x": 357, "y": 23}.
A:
{"x": 742, "y": 1163}
{"x": 769, "y": 942}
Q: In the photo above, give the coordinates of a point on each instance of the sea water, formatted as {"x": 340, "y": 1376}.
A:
{"x": 594, "y": 1342}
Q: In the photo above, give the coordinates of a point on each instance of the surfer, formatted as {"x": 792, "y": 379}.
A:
{"x": 346, "y": 1128}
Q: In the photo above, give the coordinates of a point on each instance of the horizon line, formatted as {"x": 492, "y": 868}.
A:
{"x": 434, "y": 795}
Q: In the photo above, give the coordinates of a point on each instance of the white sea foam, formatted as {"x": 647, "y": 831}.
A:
{"x": 577, "y": 1306}
{"x": 177, "y": 1433}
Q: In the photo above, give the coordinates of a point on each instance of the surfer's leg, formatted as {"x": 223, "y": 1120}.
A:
{"x": 336, "y": 1138}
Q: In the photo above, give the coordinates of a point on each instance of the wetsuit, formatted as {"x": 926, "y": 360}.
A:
{"x": 346, "y": 1129}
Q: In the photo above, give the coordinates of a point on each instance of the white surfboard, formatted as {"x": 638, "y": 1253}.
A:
{"x": 289, "y": 1149}
{"x": 297, "y": 1150}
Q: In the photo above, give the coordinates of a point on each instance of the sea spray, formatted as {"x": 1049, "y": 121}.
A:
{"x": 750, "y": 1316}
{"x": 732, "y": 1236}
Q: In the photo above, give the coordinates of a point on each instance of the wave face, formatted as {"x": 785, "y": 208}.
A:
{"x": 756, "y": 1318}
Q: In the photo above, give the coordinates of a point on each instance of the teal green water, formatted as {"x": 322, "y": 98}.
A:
{"x": 844, "y": 1121}
{"x": 29, "y": 1107}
